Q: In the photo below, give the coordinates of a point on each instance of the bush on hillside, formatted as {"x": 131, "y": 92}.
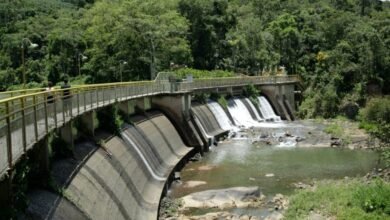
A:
{"x": 182, "y": 73}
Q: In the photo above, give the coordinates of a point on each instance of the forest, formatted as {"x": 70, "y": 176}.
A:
{"x": 340, "y": 48}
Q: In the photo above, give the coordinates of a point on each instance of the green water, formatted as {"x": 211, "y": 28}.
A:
{"x": 240, "y": 163}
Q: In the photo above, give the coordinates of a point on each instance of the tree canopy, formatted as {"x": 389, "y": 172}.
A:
{"x": 339, "y": 47}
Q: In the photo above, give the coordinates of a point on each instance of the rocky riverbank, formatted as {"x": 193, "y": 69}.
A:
{"x": 256, "y": 157}
{"x": 340, "y": 133}
{"x": 222, "y": 201}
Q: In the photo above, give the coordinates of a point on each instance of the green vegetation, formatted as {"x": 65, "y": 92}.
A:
{"x": 345, "y": 199}
{"x": 183, "y": 72}
{"x": 58, "y": 147}
{"x": 335, "y": 130}
{"x": 221, "y": 99}
{"x": 252, "y": 93}
{"x": 201, "y": 97}
{"x": 340, "y": 48}
{"x": 169, "y": 207}
{"x": 110, "y": 119}
{"x": 223, "y": 102}
{"x": 375, "y": 118}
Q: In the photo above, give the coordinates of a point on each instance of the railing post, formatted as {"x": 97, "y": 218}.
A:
{"x": 46, "y": 115}
{"x": 91, "y": 94}
{"x": 78, "y": 103}
{"x": 24, "y": 137}
{"x": 115, "y": 93}
{"x": 9, "y": 135}
{"x": 85, "y": 101}
{"x": 97, "y": 98}
{"x": 35, "y": 117}
{"x": 104, "y": 97}
{"x": 55, "y": 110}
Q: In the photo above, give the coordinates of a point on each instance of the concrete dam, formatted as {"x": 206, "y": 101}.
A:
{"x": 127, "y": 177}
{"x": 121, "y": 174}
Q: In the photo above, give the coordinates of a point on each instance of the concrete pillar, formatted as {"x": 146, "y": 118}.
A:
{"x": 230, "y": 91}
{"x": 186, "y": 102}
{"x": 143, "y": 104}
{"x": 89, "y": 123}
{"x": 127, "y": 107}
{"x": 177, "y": 108}
{"x": 66, "y": 134}
{"x": 41, "y": 156}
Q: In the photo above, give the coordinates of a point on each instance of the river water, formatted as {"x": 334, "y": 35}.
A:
{"x": 273, "y": 167}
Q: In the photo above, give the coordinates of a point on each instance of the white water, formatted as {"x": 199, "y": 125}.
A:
{"x": 266, "y": 110}
{"x": 155, "y": 176}
{"x": 254, "y": 109}
{"x": 240, "y": 114}
{"x": 223, "y": 120}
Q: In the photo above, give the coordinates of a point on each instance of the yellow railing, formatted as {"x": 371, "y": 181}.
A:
{"x": 26, "y": 118}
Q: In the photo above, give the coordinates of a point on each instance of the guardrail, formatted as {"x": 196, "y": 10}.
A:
{"x": 19, "y": 92}
{"x": 26, "y": 118}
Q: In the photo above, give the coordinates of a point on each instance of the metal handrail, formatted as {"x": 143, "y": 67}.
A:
{"x": 26, "y": 118}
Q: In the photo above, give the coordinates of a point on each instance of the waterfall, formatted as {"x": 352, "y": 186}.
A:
{"x": 208, "y": 119}
{"x": 266, "y": 110}
{"x": 135, "y": 147}
{"x": 254, "y": 110}
{"x": 222, "y": 119}
{"x": 240, "y": 113}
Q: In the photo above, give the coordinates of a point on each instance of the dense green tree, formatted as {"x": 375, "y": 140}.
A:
{"x": 341, "y": 48}
{"x": 145, "y": 34}
{"x": 209, "y": 23}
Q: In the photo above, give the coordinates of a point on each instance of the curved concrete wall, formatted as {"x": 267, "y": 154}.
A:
{"x": 127, "y": 179}
{"x": 247, "y": 105}
{"x": 278, "y": 96}
{"x": 207, "y": 119}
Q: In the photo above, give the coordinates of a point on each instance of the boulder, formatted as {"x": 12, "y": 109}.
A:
{"x": 222, "y": 198}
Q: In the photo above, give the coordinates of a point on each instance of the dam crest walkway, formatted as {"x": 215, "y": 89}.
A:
{"x": 26, "y": 116}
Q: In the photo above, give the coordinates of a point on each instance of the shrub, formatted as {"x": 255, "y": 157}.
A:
{"x": 377, "y": 110}
{"x": 374, "y": 197}
{"x": 223, "y": 102}
{"x": 251, "y": 91}
{"x": 324, "y": 103}
{"x": 201, "y": 97}
{"x": 375, "y": 118}
{"x": 110, "y": 120}
{"x": 182, "y": 73}
{"x": 335, "y": 130}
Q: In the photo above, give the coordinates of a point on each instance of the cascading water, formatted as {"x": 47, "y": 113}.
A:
{"x": 220, "y": 115}
{"x": 266, "y": 110}
{"x": 144, "y": 160}
{"x": 240, "y": 113}
{"x": 254, "y": 109}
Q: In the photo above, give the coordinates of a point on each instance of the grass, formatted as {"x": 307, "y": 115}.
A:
{"x": 343, "y": 199}
{"x": 335, "y": 130}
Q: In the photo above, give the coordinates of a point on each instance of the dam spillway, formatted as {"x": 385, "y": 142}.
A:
{"x": 126, "y": 178}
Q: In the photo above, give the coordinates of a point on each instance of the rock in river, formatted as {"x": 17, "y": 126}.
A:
{"x": 222, "y": 198}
